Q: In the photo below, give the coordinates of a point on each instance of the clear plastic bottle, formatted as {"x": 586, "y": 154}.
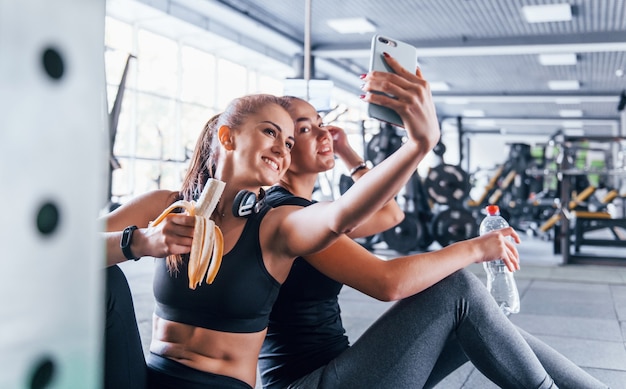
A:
{"x": 500, "y": 281}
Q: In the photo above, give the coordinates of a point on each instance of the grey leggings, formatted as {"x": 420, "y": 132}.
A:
{"x": 421, "y": 339}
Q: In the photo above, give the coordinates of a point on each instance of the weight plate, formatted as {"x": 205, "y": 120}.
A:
{"x": 447, "y": 184}
{"x": 454, "y": 225}
{"x": 404, "y": 237}
{"x": 382, "y": 145}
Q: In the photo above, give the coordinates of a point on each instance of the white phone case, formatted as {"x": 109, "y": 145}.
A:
{"x": 405, "y": 54}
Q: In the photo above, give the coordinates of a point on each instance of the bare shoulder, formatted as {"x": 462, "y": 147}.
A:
{"x": 275, "y": 217}
{"x": 276, "y": 224}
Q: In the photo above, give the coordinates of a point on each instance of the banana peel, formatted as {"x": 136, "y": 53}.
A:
{"x": 207, "y": 248}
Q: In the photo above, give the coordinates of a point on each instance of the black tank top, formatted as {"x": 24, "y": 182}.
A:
{"x": 305, "y": 329}
{"x": 240, "y": 298}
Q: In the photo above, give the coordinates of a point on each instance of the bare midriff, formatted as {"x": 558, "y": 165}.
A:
{"x": 230, "y": 354}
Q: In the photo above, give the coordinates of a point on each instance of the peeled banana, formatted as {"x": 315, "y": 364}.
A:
{"x": 208, "y": 242}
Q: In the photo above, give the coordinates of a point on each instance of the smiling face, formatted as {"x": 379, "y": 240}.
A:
{"x": 261, "y": 146}
{"x": 313, "y": 151}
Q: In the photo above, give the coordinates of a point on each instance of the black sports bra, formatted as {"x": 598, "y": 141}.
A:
{"x": 240, "y": 298}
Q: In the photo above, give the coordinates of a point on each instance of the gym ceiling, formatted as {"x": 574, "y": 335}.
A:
{"x": 490, "y": 65}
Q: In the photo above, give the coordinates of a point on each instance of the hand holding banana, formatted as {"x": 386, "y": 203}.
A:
{"x": 208, "y": 242}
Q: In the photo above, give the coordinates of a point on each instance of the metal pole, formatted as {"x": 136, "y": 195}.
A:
{"x": 307, "y": 45}
{"x": 459, "y": 126}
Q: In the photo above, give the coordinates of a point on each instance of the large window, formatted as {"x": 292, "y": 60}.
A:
{"x": 171, "y": 90}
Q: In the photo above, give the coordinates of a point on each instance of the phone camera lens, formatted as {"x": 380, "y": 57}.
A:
{"x": 383, "y": 40}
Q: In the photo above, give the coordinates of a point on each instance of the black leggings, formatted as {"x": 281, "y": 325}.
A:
{"x": 124, "y": 363}
{"x": 564, "y": 372}
{"x": 421, "y": 339}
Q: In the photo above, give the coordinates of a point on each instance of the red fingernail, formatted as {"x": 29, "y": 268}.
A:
{"x": 361, "y": 96}
{"x": 386, "y": 54}
{"x": 362, "y": 76}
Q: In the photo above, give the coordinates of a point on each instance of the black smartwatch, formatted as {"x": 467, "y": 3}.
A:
{"x": 127, "y": 238}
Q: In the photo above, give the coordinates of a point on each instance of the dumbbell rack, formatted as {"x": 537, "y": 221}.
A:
{"x": 574, "y": 224}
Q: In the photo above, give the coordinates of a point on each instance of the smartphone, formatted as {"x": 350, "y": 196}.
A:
{"x": 405, "y": 54}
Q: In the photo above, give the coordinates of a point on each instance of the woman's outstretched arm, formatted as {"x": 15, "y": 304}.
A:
{"x": 325, "y": 221}
{"x": 347, "y": 262}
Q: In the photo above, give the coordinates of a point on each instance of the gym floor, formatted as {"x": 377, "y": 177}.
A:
{"x": 580, "y": 310}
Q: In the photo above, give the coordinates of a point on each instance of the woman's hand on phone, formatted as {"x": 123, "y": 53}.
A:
{"x": 412, "y": 100}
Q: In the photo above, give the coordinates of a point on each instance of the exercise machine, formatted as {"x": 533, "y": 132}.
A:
{"x": 53, "y": 145}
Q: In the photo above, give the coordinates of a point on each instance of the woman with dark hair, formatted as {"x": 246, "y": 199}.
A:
{"x": 444, "y": 314}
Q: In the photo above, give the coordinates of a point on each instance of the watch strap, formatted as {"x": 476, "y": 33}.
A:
{"x": 126, "y": 240}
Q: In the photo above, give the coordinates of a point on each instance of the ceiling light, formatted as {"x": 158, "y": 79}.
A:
{"x": 574, "y": 131}
{"x": 456, "y": 100}
{"x": 572, "y": 123}
{"x": 567, "y": 100}
{"x": 473, "y": 113}
{"x": 557, "y": 59}
{"x": 570, "y": 113}
{"x": 439, "y": 86}
{"x": 547, "y": 13}
{"x": 564, "y": 85}
{"x": 485, "y": 123}
{"x": 351, "y": 25}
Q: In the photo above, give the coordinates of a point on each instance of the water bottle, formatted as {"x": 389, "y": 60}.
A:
{"x": 500, "y": 281}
